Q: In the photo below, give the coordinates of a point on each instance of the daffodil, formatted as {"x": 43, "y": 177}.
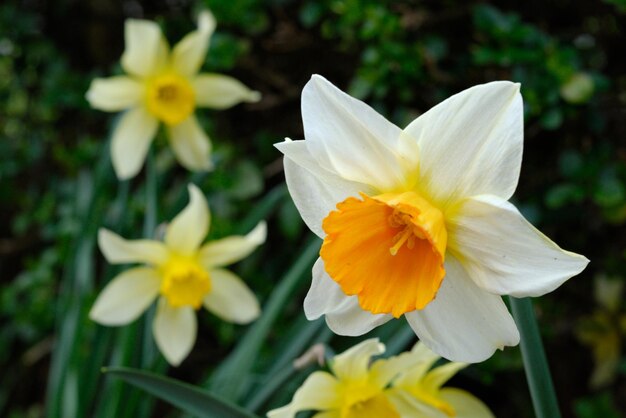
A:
{"x": 416, "y": 221}
{"x": 421, "y": 387}
{"x": 398, "y": 387}
{"x": 182, "y": 274}
{"x": 164, "y": 86}
{"x": 603, "y": 331}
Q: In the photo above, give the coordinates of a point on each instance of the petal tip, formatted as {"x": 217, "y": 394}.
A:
{"x": 259, "y": 234}
{"x": 94, "y": 315}
{"x": 317, "y": 81}
{"x": 206, "y": 20}
{"x": 105, "y": 236}
{"x": 280, "y": 146}
{"x": 253, "y": 97}
{"x": 252, "y": 316}
{"x": 194, "y": 191}
{"x": 122, "y": 172}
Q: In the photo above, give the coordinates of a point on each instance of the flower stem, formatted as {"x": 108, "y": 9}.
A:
{"x": 535, "y": 362}
{"x": 149, "y": 352}
{"x": 150, "y": 219}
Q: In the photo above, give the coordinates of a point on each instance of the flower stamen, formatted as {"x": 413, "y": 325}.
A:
{"x": 185, "y": 282}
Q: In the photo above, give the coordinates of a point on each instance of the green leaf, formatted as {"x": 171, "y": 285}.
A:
{"x": 535, "y": 362}
{"x": 182, "y": 395}
{"x": 232, "y": 377}
{"x": 304, "y": 334}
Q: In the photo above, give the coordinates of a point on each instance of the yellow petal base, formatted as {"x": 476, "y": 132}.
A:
{"x": 374, "y": 407}
{"x": 170, "y": 98}
{"x": 387, "y": 249}
{"x": 185, "y": 282}
{"x": 433, "y": 400}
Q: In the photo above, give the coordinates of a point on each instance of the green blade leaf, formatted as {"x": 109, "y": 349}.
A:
{"x": 230, "y": 378}
{"x": 535, "y": 361}
{"x": 182, "y": 395}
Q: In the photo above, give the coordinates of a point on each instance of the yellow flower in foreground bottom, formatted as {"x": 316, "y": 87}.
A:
{"x": 403, "y": 386}
{"x": 416, "y": 222}
{"x": 183, "y": 274}
{"x": 164, "y": 86}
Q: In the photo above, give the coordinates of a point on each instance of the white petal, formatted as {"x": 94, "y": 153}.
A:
{"x": 190, "y": 227}
{"x": 231, "y": 299}
{"x": 314, "y": 190}
{"x": 231, "y": 249}
{"x": 504, "y": 254}
{"x": 126, "y": 296}
{"x": 218, "y": 91}
{"x": 350, "y": 138}
{"x": 118, "y": 250}
{"x": 114, "y": 93}
{"x": 146, "y": 50}
{"x": 344, "y": 315}
{"x": 324, "y": 295}
{"x": 464, "y": 323}
{"x": 471, "y": 143}
{"x": 191, "y": 145}
{"x": 319, "y": 391}
{"x": 353, "y": 364}
{"x": 465, "y": 404}
{"x": 189, "y": 54}
{"x": 131, "y": 139}
{"x": 351, "y": 320}
{"x": 174, "y": 331}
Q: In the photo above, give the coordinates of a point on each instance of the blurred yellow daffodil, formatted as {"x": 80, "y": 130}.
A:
{"x": 164, "y": 86}
{"x": 604, "y": 330}
{"x": 416, "y": 222}
{"x": 183, "y": 274}
{"x": 402, "y": 386}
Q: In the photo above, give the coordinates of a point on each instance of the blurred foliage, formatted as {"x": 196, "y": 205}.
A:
{"x": 604, "y": 330}
{"x": 600, "y": 405}
{"x": 403, "y": 57}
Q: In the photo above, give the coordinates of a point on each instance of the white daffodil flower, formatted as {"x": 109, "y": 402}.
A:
{"x": 182, "y": 274}
{"x": 416, "y": 222}
{"x": 164, "y": 86}
{"x": 402, "y": 386}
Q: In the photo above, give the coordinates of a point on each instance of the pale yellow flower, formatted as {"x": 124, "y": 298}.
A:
{"x": 182, "y": 274}
{"x": 422, "y": 387}
{"x": 402, "y": 386}
{"x": 604, "y": 330}
{"x": 164, "y": 86}
{"x": 416, "y": 222}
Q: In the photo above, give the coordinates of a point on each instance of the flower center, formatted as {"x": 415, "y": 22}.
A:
{"x": 388, "y": 250}
{"x": 408, "y": 232}
{"x": 185, "y": 282}
{"x": 367, "y": 402}
{"x": 170, "y": 98}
